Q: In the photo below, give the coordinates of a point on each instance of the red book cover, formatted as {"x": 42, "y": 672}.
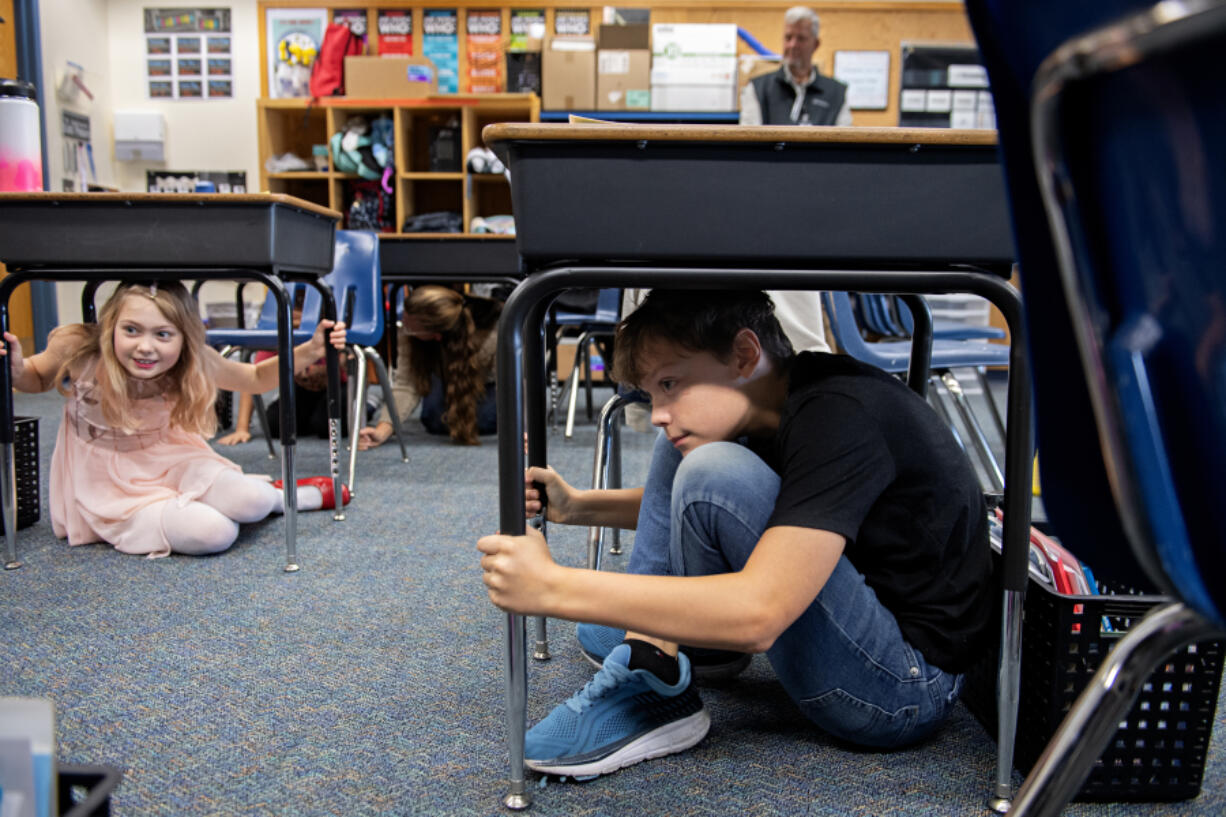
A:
{"x": 395, "y": 32}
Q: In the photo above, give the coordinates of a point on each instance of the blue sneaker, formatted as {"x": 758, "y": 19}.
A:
{"x": 597, "y": 641}
{"x": 619, "y": 718}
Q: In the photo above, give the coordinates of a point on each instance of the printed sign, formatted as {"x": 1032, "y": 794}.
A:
{"x": 175, "y": 39}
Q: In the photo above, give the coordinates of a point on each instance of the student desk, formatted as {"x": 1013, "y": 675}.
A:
{"x": 94, "y": 237}
{"x": 448, "y": 259}
{"x": 862, "y": 209}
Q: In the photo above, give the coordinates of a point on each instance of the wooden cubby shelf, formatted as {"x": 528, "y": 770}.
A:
{"x": 295, "y": 126}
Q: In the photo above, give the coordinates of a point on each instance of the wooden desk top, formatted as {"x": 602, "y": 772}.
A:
{"x": 205, "y": 199}
{"x": 564, "y": 131}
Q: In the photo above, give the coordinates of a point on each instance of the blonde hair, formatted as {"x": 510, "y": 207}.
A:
{"x": 454, "y": 359}
{"x": 188, "y": 389}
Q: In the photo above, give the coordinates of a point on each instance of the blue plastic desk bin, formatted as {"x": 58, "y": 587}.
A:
{"x": 25, "y": 458}
{"x": 1158, "y": 752}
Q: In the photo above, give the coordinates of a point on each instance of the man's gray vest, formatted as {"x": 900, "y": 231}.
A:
{"x": 823, "y": 99}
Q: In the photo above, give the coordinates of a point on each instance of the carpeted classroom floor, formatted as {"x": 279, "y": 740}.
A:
{"x": 372, "y": 681}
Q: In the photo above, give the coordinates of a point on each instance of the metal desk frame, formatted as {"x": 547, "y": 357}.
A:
{"x": 520, "y": 344}
{"x": 270, "y": 274}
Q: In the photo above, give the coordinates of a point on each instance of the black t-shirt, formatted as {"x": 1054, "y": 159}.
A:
{"x": 861, "y": 455}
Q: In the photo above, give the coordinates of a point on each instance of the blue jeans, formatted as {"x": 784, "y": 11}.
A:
{"x": 844, "y": 662}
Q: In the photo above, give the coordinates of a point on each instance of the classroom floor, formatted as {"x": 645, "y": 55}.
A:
{"x": 372, "y": 681}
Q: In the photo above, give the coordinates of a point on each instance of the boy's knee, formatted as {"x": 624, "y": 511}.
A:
{"x": 719, "y": 466}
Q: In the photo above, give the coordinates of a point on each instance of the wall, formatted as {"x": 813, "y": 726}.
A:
{"x": 200, "y": 134}
{"x": 84, "y": 42}
{"x": 107, "y": 38}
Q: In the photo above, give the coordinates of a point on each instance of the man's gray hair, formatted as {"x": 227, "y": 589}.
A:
{"x": 797, "y": 13}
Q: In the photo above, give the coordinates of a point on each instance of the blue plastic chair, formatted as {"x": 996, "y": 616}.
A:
{"x": 356, "y": 285}
{"x": 1111, "y": 122}
{"x": 597, "y": 327}
{"x": 895, "y": 356}
{"x": 943, "y": 329}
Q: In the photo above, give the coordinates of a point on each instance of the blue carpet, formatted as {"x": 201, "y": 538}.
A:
{"x": 371, "y": 682}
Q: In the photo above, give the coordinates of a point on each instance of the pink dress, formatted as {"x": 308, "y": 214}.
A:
{"x": 102, "y": 476}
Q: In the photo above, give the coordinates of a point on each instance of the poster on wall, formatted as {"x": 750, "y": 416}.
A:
{"x": 440, "y": 43}
{"x": 181, "y": 45}
{"x": 294, "y": 38}
{"x": 572, "y": 23}
{"x": 484, "y": 29}
{"x": 396, "y": 32}
{"x": 867, "y": 76}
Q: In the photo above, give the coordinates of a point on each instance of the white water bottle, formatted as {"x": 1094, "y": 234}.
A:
{"x": 21, "y": 155}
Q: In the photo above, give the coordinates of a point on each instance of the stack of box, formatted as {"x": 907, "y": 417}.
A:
{"x": 693, "y": 67}
{"x": 568, "y": 74}
{"x": 623, "y": 68}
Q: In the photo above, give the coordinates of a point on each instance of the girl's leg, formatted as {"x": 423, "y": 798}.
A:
{"x": 242, "y": 498}
{"x": 195, "y": 529}
{"x": 844, "y": 661}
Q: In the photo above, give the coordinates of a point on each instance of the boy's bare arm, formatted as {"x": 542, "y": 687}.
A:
{"x": 566, "y": 505}
{"x": 744, "y": 611}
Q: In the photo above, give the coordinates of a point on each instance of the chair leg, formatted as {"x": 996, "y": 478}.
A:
{"x": 357, "y": 411}
{"x": 615, "y": 479}
{"x": 997, "y": 420}
{"x": 389, "y": 399}
{"x": 938, "y": 405}
{"x": 606, "y": 466}
{"x": 572, "y": 384}
{"x": 974, "y": 429}
{"x": 1087, "y": 729}
{"x": 261, "y": 413}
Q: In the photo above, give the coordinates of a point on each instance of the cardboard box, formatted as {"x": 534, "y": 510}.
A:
{"x": 568, "y": 74}
{"x": 623, "y": 80}
{"x": 626, "y": 37}
{"x": 390, "y": 77}
{"x": 711, "y": 88}
{"x": 692, "y": 98}
{"x": 685, "y": 41}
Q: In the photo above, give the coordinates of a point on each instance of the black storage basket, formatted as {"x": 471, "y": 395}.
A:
{"x": 25, "y": 459}
{"x": 1158, "y": 753}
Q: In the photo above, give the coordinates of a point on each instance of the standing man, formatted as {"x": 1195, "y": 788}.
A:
{"x": 796, "y": 94}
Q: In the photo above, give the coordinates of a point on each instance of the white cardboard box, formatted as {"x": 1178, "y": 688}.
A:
{"x": 713, "y": 98}
{"x": 680, "y": 40}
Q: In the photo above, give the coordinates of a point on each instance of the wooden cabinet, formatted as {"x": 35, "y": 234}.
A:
{"x": 420, "y": 185}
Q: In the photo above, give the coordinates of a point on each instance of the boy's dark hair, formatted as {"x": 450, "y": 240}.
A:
{"x": 698, "y": 320}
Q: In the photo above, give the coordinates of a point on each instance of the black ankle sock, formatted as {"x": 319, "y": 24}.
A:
{"x": 654, "y": 660}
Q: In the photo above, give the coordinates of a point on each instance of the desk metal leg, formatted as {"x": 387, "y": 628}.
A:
{"x": 8, "y": 465}
{"x": 535, "y": 422}
{"x": 285, "y": 382}
{"x": 8, "y": 490}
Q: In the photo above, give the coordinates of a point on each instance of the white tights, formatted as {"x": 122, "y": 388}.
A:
{"x": 210, "y": 523}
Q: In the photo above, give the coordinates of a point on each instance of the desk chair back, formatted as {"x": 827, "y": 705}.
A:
{"x": 1111, "y": 117}
{"x": 357, "y": 284}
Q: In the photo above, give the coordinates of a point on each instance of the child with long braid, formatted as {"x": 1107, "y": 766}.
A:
{"x": 446, "y": 352}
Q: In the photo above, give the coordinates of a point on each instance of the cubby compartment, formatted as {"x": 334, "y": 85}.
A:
{"x": 431, "y": 139}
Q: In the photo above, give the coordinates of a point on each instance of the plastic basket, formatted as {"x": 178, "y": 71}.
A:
{"x": 25, "y": 460}
{"x": 1158, "y": 752}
